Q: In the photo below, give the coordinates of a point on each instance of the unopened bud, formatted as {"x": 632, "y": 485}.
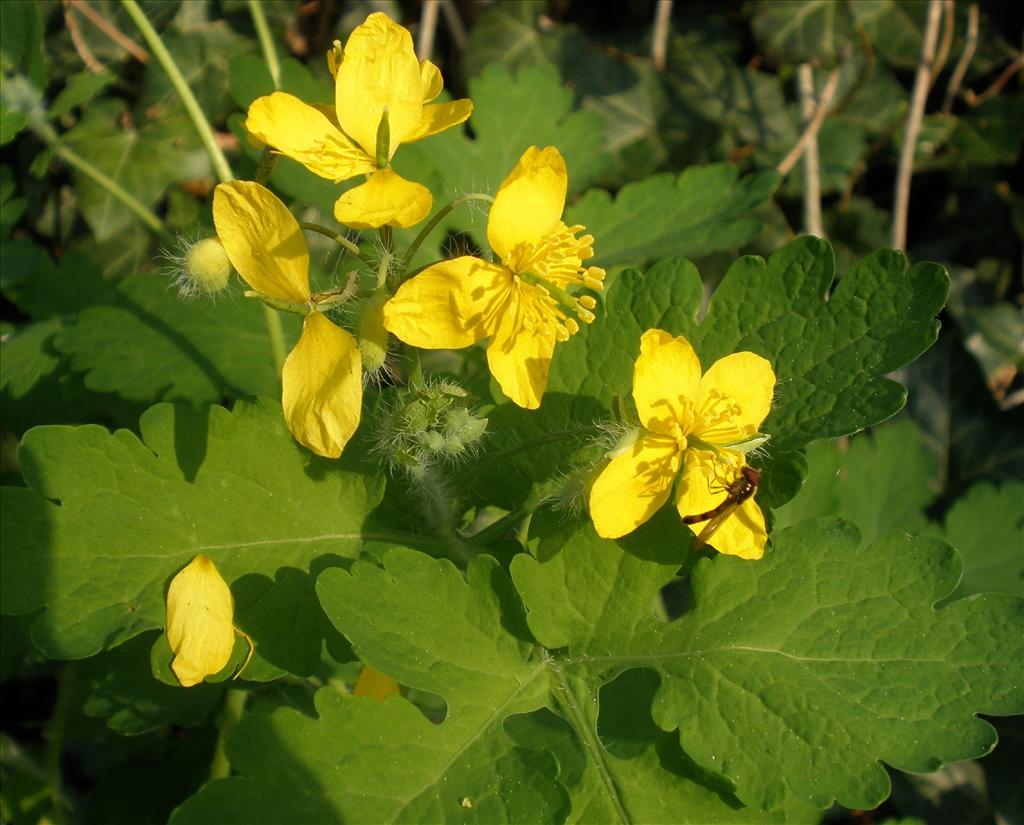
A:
{"x": 202, "y": 268}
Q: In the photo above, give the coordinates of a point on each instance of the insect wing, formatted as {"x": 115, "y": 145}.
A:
{"x": 716, "y": 521}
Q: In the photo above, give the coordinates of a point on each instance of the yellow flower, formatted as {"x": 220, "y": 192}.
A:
{"x": 200, "y": 622}
{"x": 376, "y": 77}
{"x": 322, "y": 383}
{"x": 690, "y": 422}
{"x": 521, "y": 304}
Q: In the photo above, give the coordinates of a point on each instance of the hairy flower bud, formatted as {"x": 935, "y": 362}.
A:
{"x": 202, "y": 268}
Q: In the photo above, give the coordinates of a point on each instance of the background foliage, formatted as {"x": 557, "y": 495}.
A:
{"x": 674, "y": 170}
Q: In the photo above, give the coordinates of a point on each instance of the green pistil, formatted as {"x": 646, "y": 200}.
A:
{"x": 564, "y": 299}
{"x": 383, "y": 140}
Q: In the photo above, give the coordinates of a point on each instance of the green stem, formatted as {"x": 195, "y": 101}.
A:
{"x": 234, "y": 707}
{"x": 199, "y": 121}
{"x": 276, "y": 334}
{"x": 415, "y": 367}
{"x": 337, "y": 237}
{"x": 202, "y": 126}
{"x": 442, "y": 213}
{"x": 259, "y": 20}
{"x": 66, "y": 690}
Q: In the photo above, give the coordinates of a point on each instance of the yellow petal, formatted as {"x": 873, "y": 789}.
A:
{"x": 520, "y": 358}
{"x": 322, "y": 387}
{"x": 200, "y": 616}
{"x": 666, "y": 381}
{"x": 307, "y": 135}
{"x": 386, "y": 199}
{"x": 374, "y": 684}
{"x": 439, "y": 116}
{"x": 379, "y": 71}
{"x": 262, "y": 239}
{"x": 702, "y": 487}
{"x": 448, "y": 305}
{"x": 735, "y": 396}
{"x": 430, "y": 80}
{"x": 703, "y": 483}
{"x": 530, "y": 201}
{"x": 633, "y": 486}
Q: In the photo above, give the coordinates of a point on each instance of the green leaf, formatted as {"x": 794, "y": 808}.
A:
{"x": 107, "y": 520}
{"x": 149, "y": 345}
{"x": 703, "y": 210}
{"x": 122, "y": 690}
{"x": 81, "y": 88}
{"x": 986, "y": 525}
{"x": 830, "y": 356}
{"x": 202, "y": 55}
{"x": 880, "y": 483}
{"x": 797, "y": 31}
{"x": 418, "y": 620}
{"x": 792, "y": 677}
{"x": 510, "y": 113}
{"x": 144, "y": 161}
{"x": 42, "y": 288}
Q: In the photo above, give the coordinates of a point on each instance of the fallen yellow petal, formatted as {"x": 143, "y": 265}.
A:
{"x": 200, "y": 616}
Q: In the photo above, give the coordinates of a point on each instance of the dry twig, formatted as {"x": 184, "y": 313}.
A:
{"x": 428, "y": 27}
{"x": 901, "y": 199}
{"x": 111, "y": 31}
{"x": 970, "y": 44}
{"x": 812, "y": 179}
{"x": 811, "y": 130}
{"x": 659, "y": 37}
{"x": 997, "y": 86}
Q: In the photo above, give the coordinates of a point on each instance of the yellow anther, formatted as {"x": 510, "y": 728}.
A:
{"x": 587, "y": 301}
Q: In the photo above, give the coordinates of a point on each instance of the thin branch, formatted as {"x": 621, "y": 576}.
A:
{"x": 428, "y": 27}
{"x": 1004, "y": 78}
{"x": 83, "y": 50}
{"x": 659, "y": 37}
{"x": 811, "y": 130}
{"x": 970, "y": 44}
{"x": 111, "y": 31}
{"x": 812, "y": 179}
{"x": 949, "y": 15}
{"x": 901, "y": 199}
{"x": 455, "y": 25}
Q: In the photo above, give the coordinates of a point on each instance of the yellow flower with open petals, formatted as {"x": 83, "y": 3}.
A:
{"x": 522, "y": 304}
{"x": 691, "y": 423}
{"x": 200, "y": 621}
{"x": 376, "y": 76}
{"x": 322, "y": 383}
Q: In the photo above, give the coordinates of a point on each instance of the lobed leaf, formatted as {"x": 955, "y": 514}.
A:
{"x": 107, "y": 519}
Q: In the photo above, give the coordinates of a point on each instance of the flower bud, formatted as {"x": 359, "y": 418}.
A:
{"x": 205, "y": 269}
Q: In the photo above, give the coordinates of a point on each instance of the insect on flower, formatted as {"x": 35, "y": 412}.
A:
{"x": 741, "y": 488}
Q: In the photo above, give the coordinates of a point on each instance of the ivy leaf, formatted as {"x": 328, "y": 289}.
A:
{"x": 107, "y": 520}
{"x": 418, "y": 620}
{"x": 149, "y": 345}
{"x": 795, "y": 31}
{"x": 704, "y": 209}
{"x": 793, "y": 677}
{"x": 830, "y": 356}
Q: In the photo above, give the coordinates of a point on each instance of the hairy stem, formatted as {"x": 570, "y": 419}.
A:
{"x": 434, "y": 221}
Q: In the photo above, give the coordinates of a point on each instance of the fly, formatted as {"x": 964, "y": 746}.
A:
{"x": 742, "y": 488}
